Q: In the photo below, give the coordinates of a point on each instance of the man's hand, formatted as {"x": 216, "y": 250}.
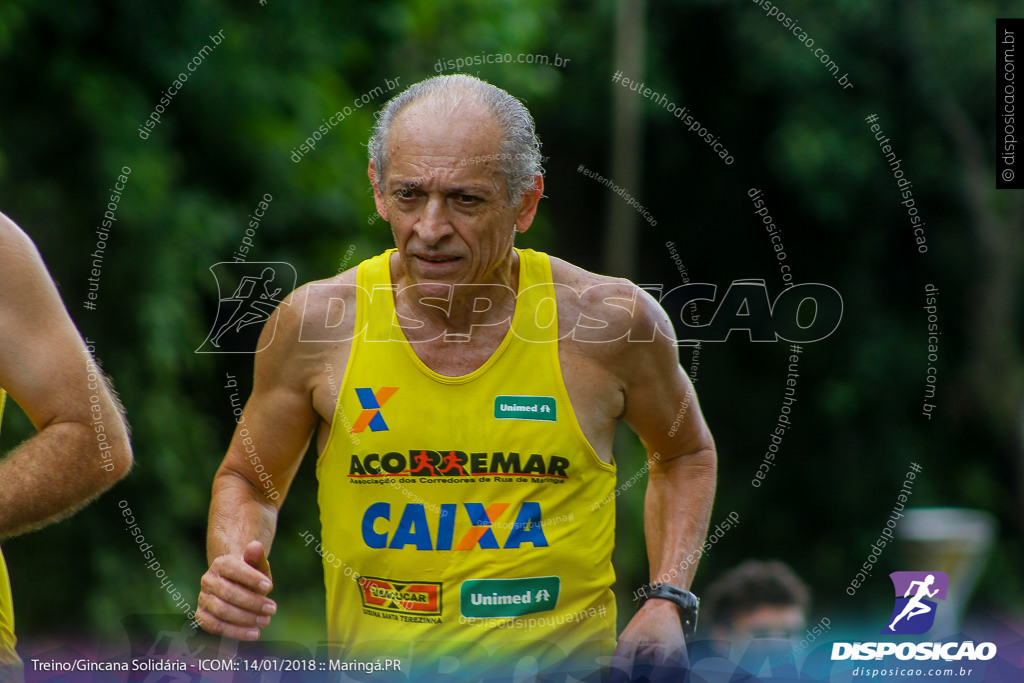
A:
{"x": 654, "y": 635}
{"x": 233, "y": 601}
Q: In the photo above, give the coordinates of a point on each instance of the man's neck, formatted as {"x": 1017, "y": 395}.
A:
{"x": 457, "y": 309}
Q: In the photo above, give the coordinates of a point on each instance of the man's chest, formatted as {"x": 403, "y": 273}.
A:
{"x": 592, "y": 389}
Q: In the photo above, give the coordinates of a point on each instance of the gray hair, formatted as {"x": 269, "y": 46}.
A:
{"x": 519, "y": 159}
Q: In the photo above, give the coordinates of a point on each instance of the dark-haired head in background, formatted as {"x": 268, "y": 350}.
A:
{"x": 755, "y": 599}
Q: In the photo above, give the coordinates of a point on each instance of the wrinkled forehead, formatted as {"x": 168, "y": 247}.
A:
{"x": 432, "y": 140}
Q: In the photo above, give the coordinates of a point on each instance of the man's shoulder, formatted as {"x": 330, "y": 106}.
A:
{"x": 590, "y": 292}
{"x": 320, "y": 306}
{"x": 17, "y": 248}
{"x": 571, "y": 275}
{"x": 10, "y": 234}
{"x": 325, "y": 310}
{"x": 26, "y": 288}
{"x": 319, "y": 292}
{"x": 604, "y": 308}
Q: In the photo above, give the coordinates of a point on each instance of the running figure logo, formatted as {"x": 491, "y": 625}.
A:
{"x": 423, "y": 463}
{"x": 451, "y": 462}
{"x": 256, "y": 289}
{"x": 913, "y": 612}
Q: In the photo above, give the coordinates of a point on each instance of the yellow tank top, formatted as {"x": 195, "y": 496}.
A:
{"x": 7, "y": 640}
{"x": 457, "y": 514}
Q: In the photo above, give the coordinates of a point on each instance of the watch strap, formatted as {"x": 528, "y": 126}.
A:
{"x": 686, "y": 602}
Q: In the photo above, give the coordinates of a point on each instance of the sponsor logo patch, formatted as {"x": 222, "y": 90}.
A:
{"x": 540, "y": 408}
{"x": 381, "y": 530}
{"x": 424, "y": 465}
{"x": 508, "y": 597}
{"x": 371, "y": 402}
{"x": 418, "y": 598}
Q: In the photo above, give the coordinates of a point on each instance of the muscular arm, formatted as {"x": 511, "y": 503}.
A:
{"x": 662, "y": 408}
{"x": 682, "y": 475}
{"x": 270, "y": 438}
{"x": 82, "y": 446}
{"x": 273, "y": 432}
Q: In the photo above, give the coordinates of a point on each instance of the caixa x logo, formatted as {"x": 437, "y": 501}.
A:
{"x": 913, "y": 614}
{"x": 371, "y": 402}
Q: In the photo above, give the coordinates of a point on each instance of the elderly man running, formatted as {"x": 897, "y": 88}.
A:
{"x": 463, "y": 452}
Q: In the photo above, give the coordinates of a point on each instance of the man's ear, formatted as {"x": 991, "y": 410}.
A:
{"x": 378, "y": 198}
{"x": 529, "y": 203}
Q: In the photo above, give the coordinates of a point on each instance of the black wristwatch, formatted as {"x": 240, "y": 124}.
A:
{"x": 686, "y": 602}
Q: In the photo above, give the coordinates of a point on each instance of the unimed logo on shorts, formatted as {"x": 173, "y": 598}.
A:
{"x": 916, "y": 592}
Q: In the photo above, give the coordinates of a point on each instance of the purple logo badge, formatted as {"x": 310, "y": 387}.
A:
{"x": 914, "y": 611}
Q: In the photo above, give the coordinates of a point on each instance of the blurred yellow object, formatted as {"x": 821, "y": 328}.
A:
{"x": 956, "y": 541}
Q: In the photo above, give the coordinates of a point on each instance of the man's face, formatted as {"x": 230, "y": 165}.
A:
{"x": 447, "y": 200}
{"x": 769, "y": 621}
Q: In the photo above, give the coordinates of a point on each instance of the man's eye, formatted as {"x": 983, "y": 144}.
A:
{"x": 406, "y": 196}
{"x": 466, "y": 198}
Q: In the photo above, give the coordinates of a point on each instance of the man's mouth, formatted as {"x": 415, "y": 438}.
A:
{"x": 436, "y": 258}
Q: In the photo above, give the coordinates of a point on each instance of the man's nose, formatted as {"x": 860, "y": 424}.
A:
{"x": 433, "y": 224}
